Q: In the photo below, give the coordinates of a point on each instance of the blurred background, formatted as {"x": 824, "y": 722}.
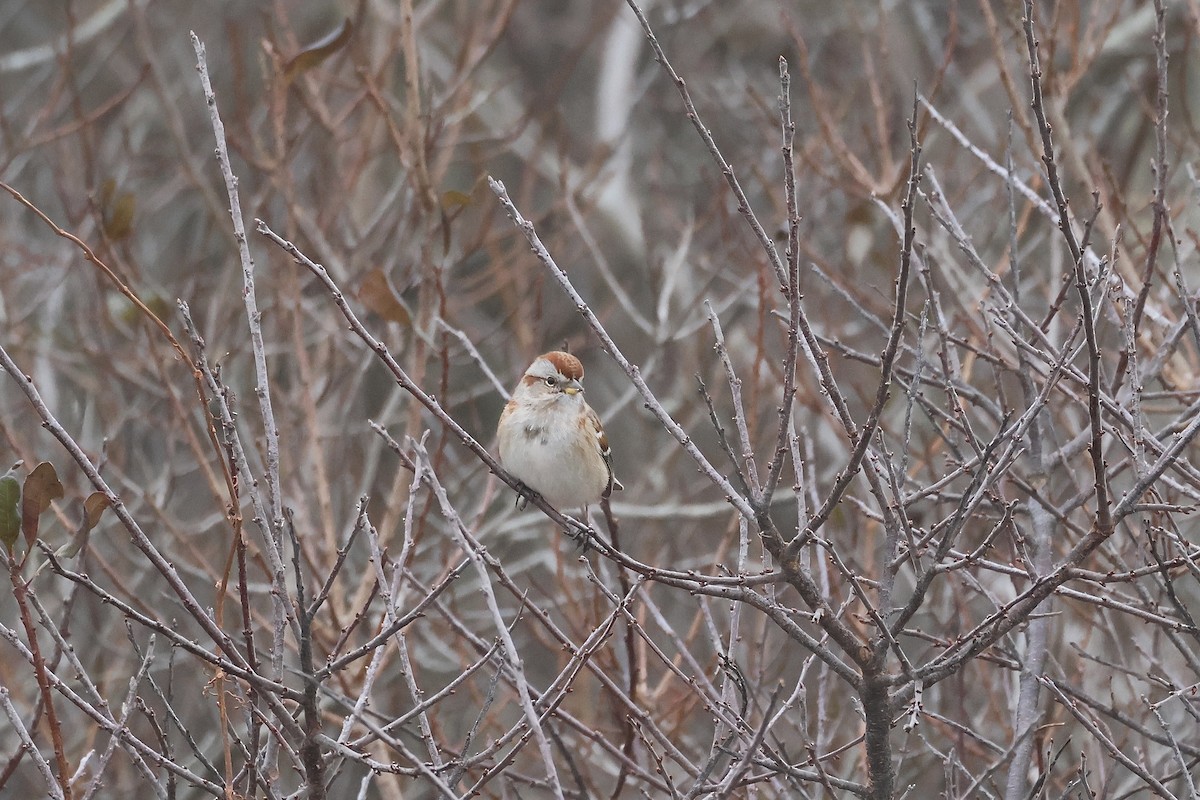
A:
{"x": 364, "y": 133}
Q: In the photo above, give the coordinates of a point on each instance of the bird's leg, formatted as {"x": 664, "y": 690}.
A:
{"x": 523, "y": 493}
{"x": 581, "y": 537}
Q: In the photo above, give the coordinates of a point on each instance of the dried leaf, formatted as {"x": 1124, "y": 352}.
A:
{"x": 116, "y": 210}
{"x": 376, "y": 293}
{"x": 41, "y": 487}
{"x": 93, "y": 507}
{"x": 10, "y": 515}
{"x": 130, "y": 314}
{"x": 453, "y": 200}
{"x": 318, "y": 51}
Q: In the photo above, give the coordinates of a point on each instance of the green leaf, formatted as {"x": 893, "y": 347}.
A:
{"x": 10, "y": 513}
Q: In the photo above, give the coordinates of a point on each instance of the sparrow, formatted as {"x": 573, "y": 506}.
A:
{"x": 551, "y": 440}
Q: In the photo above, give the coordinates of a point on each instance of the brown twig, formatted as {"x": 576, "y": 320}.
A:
{"x": 20, "y": 590}
{"x": 1104, "y": 517}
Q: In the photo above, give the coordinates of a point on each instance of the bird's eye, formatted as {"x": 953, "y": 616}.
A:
{"x": 552, "y": 381}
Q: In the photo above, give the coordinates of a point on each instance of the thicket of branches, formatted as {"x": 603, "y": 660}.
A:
{"x": 890, "y": 310}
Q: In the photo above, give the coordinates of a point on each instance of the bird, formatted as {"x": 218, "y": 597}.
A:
{"x": 551, "y": 440}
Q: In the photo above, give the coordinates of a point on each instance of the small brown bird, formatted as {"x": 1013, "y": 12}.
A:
{"x": 550, "y": 438}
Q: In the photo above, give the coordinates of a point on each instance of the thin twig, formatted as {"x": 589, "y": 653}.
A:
{"x": 668, "y": 422}
{"x": 1104, "y": 516}
{"x": 706, "y": 136}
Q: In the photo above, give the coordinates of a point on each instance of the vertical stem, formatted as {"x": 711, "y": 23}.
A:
{"x": 880, "y": 770}
{"x": 20, "y": 591}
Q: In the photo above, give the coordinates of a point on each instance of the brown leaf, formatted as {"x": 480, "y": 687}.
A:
{"x": 453, "y": 199}
{"x": 41, "y": 487}
{"x": 116, "y": 210}
{"x": 93, "y": 507}
{"x": 453, "y": 202}
{"x": 318, "y": 51}
{"x": 159, "y": 306}
{"x": 377, "y": 294}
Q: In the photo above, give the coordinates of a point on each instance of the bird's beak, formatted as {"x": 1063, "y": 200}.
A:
{"x": 573, "y": 387}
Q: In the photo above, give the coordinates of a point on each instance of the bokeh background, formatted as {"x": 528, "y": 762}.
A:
{"x": 364, "y": 133}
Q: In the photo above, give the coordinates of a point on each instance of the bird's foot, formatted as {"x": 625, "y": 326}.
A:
{"x": 580, "y": 535}
{"x": 523, "y": 495}
{"x": 580, "y": 538}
